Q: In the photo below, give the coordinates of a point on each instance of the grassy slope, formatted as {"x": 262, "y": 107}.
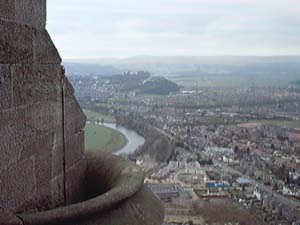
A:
{"x": 98, "y": 116}
{"x": 280, "y": 123}
{"x": 101, "y": 138}
{"x": 191, "y": 83}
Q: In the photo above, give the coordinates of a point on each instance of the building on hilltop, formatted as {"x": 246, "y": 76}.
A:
{"x": 45, "y": 175}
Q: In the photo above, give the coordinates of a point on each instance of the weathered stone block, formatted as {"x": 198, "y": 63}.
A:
{"x": 24, "y": 11}
{"x": 42, "y": 144}
{"x": 44, "y": 154}
{"x": 12, "y": 140}
{"x": 8, "y": 218}
{"x": 39, "y": 117}
{"x": 58, "y": 132}
{"x": 16, "y": 43}
{"x": 43, "y": 169}
{"x": 7, "y": 9}
{"x": 39, "y": 200}
{"x": 40, "y": 14}
{"x": 44, "y": 49}
{"x": 33, "y": 84}
{"x": 57, "y": 160}
{"x": 57, "y": 191}
{"x": 17, "y": 183}
{"x": 72, "y": 108}
{"x": 17, "y": 133}
{"x": 68, "y": 88}
{"x": 31, "y": 131}
{"x": 75, "y": 118}
{"x": 24, "y": 125}
{"x": 75, "y": 182}
{"x": 31, "y": 12}
{"x": 9, "y": 153}
{"x": 5, "y": 87}
{"x": 43, "y": 117}
{"x": 11, "y": 116}
{"x": 74, "y": 125}
{"x": 74, "y": 149}
{"x": 58, "y": 152}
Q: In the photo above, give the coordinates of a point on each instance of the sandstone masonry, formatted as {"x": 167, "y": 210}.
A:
{"x": 42, "y": 159}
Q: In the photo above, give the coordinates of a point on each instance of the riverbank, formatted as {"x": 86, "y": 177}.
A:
{"x": 103, "y": 138}
{"x": 159, "y": 146}
{"x": 134, "y": 140}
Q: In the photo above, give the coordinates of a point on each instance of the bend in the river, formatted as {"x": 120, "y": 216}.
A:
{"x": 134, "y": 140}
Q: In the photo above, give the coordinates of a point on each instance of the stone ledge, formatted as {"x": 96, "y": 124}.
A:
{"x": 16, "y": 43}
{"x": 117, "y": 196}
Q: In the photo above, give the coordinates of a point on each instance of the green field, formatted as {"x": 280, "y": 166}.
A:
{"x": 104, "y": 139}
{"x": 273, "y": 122}
{"x": 93, "y": 116}
{"x": 194, "y": 82}
{"x": 279, "y": 123}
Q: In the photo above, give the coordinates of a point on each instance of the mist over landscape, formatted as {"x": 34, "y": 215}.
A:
{"x": 168, "y": 66}
{"x": 226, "y": 126}
{"x": 215, "y": 96}
{"x": 211, "y": 88}
{"x": 137, "y": 112}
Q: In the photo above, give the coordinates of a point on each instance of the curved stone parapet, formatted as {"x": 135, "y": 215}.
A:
{"x": 45, "y": 176}
{"x": 115, "y": 195}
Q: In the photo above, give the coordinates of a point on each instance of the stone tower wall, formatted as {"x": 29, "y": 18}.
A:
{"x": 41, "y": 124}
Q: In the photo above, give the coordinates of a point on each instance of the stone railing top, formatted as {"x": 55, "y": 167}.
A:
{"x": 111, "y": 182}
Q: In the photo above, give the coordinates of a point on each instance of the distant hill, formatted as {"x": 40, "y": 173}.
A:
{"x": 158, "y": 86}
{"x": 89, "y": 69}
{"x": 287, "y": 67}
{"x": 191, "y": 60}
{"x": 296, "y": 83}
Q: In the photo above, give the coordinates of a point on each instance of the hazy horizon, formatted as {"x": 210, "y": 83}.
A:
{"x": 186, "y": 60}
{"x": 181, "y": 56}
{"x": 122, "y": 29}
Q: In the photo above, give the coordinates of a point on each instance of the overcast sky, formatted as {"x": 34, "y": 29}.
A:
{"x": 124, "y": 28}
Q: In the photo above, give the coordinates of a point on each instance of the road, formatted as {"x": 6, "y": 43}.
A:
{"x": 164, "y": 133}
{"x": 262, "y": 187}
{"x": 281, "y": 198}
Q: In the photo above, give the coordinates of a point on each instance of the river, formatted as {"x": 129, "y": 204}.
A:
{"x": 134, "y": 140}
